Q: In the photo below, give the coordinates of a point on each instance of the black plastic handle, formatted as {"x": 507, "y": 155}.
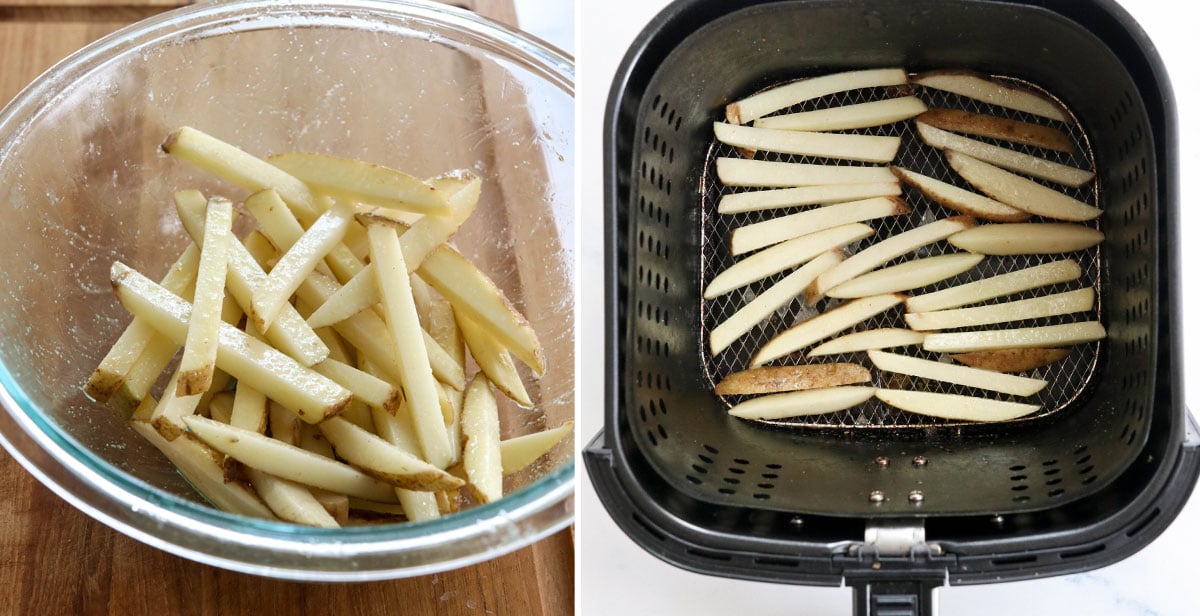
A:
{"x": 894, "y": 597}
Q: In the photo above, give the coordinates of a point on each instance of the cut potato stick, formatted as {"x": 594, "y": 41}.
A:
{"x": 200, "y": 348}
{"x": 912, "y": 274}
{"x": 884, "y": 338}
{"x": 443, "y": 327}
{"x": 981, "y": 88}
{"x": 996, "y": 286}
{"x": 405, "y": 333}
{"x": 454, "y": 426}
{"x": 954, "y": 406}
{"x": 143, "y": 375}
{"x": 1045, "y": 336}
{"x": 520, "y": 451}
{"x": 775, "y": 198}
{"x": 784, "y": 256}
{"x": 397, "y": 430}
{"x": 494, "y": 361}
{"x": 366, "y": 387}
{"x": 249, "y": 409}
{"x": 758, "y": 235}
{"x": 481, "y": 441}
{"x": 336, "y": 505}
{"x": 1067, "y": 302}
{"x": 219, "y": 408}
{"x": 1020, "y": 192}
{"x": 355, "y": 180}
{"x": 772, "y": 174}
{"x": 780, "y": 294}
{"x": 290, "y": 501}
{"x": 378, "y": 458}
{"x": 111, "y": 375}
{"x": 283, "y": 228}
{"x": 356, "y": 295}
{"x": 278, "y": 376}
{"x": 285, "y": 426}
{"x": 984, "y": 125}
{"x": 1011, "y": 360}
{"x": 802, "y": 403}
{"x": 883, "y": 251}
{"x": 782, "y": 97}
{"x": 960, "y": 200}
{"x": 825, "y": 325}
{"x": 288, "y": 461}
{"x": 168, "y": 414}
{"x": 861, "y": 115}
{"x": 312, "y": 440}
{"x": 422, "y": 237}
{"x": 230, "y": 163}
{"x": 956, "y": 374}
{"x": 1027, "y": 238}
{"x": 776, "y": 379}
{"x": 845, "y": 146}
{"x": 1004, "y": 157}
{"x": 289, "y": 333}
{"x": 202, "y": 468}
{"x": 297, "y": 262}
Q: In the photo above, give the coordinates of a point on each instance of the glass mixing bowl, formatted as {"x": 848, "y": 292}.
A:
{"x": 419, "y": 87}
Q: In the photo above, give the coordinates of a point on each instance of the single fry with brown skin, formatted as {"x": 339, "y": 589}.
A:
{"x": 774, "y": 379}
{"x": 1011, "y": 360}
{"x": 984, "y": 125}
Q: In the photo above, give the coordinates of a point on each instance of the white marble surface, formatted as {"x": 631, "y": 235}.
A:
{"x": 617, "y": 577}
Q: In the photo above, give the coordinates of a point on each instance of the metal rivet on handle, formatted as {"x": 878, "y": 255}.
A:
{"x": 997, "y": 520}
{"x": 920, "y": 461}
{"x": 916, "y": 496}
{"x": 796, "y": 522}
{"x": 876, "y": 497}
{"x": 882, "y": 462}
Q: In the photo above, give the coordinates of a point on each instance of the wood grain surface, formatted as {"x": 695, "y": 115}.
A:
{"x": 56, "y": 560}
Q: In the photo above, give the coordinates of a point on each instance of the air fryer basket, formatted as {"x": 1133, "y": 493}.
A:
{"x": 1070, "y": 490}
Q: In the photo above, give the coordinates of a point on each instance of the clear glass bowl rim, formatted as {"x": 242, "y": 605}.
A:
{"x": 263, "y": 547}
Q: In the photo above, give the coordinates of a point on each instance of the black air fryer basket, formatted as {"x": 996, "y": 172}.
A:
{"x": 890, "y": 503}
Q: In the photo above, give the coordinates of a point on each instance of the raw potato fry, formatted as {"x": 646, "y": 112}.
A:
{"x": 289, "y": 333}
{"x": 200, "y": 346}
{"x": 494, "y": 361}
{"x": 404, "y": 330}
{"x": 430, "y": 231}
{"x": 783, "y": 256}
{"x": 759, "y": 235}
{"x": 1045, "y": 336}
{"x": 220, "y": 408}
{"x": 782, "y": 97}
{"x": 481, "y": 446}
{"x": 912, "y": 274}
{"x": 337, "y": 505}
{"x": 884, "y": 338}
{"x": 801, "y": 403}
{"x": 397, "y": 430}
{"x": 366, "y": 387}
{"x": 1004, "y": 157}
{"x": 288, "y": 461}
{"x": 520, "y": 451}
{"x": 984, "y": 125}
{"x": 772, "y": 174}
{"x": 959, "y": 200}
{"x": 378, "y": 458}
{"x": 299, "y": 260}
{"x": 290, "y": 501}
{"x": 284, "y": 229}
{"x": 278, "y": 376}
{"x": 1027, "y": 238}
{"x": 443, "y": 328}
{"x": 780, "y": 294}
{"x": 776, "y": 379}
{"x": 954, "y": 406}
{"x": 1011, "y": 360}
{"x": 312, "y": 440}
{"x": 232, "y": 164}
{"x": 112, "y": 374}
{"x": 1080, "y": 300}
{"x": 881, "y": 252}
{"x": 1020, "y": 192}
{"x": 201, "y": 466}
{"x": 953, "y": 373}
{"x": 1042, "y": 275}
{"x": 846, "y": 146}
{"x": 862, "y": 115}
{"x": 144, "y": 374}
{"x": 285, "y": 426}
{"x": 824, "y": 325}
{"x": 454, "y": 426}
{"x": 355, "y": 180}
{"x": 168, "y": 414}
{"x": 981, "y": 88}
{"x": 356, "y": 295}
{"x": 775, "y": 198}
{"x": 249, "y": 409}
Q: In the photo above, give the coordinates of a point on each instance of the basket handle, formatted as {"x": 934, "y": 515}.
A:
{"x": 894, "y": 597}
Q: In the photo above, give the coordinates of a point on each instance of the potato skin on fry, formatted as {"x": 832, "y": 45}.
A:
{"x": 772, "y": 379}
{"x": 984, "y": 125}
{"x": 1011, "y": 360}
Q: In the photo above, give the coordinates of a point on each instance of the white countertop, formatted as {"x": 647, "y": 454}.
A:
{"x": 617, "y": 577}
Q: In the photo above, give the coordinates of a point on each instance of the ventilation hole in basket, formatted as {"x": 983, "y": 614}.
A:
{"x": 1020, "y": 488}
{"x": 731, "y": 480}
{"x": 711, "y": 449}
{"x": 1049, "y": 462}
{"x": 646, "y": 135}
{"x": 1053, "y": 471}
{"x": 1054, "y": 482}
{"x": 767, "y": 486}
{"x": 700, "y": 469}
{"x": 1018, "y": 478}
{"x": 657, "y": 100}
{"x": 1130, "y": 439}
{"x": 660, "y": 181}
{"x": 653, "y": 174}
{"x": 740, "y": 461}
{"x": 1084, "y": 459}
{"x": 761, "y": 496}
{"x": 654, "y": 143}
{"x": 642, "y": 412}
{"x": 727, "y": 491}
{"x": 1021, "y": 499}
{"x": 1087, "y": 469}
{"x": 645, "y": 169}
{"x": 1017, "y": 467}
{"x": 678, "y": 122}
{"x": 1089, "y": 479}
{"x": 662, "y": 113}
{"x": 653, "y": 410}
{"x": 662, "y": 432}
{"x": 663, "y": 152}
{"x": 653, "y": 439}
{"x": 667, "y": 220}
{"x": 668, "y": 187}
{"x": 1055, "y": 493}
{"x": 671, "y": 155}
{"x": 705, "y": 459}
{"x": 668, "y": 383}
{"x": 770, "y": 476}
{"x": 1125, "y": 430}
{"x": 774, "y": 467}
{"x": 737, "y": 471}
{"x": 692, "y": 479}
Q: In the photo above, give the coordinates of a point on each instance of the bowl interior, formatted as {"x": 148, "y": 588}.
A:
{"x": 83, "y": 183}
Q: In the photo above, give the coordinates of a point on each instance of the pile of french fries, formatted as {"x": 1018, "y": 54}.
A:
{"x": 1013, "y": 187}
{"x": 322, "y": 376}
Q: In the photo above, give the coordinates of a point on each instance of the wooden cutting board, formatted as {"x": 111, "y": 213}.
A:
{"x": 56, "y": 560}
